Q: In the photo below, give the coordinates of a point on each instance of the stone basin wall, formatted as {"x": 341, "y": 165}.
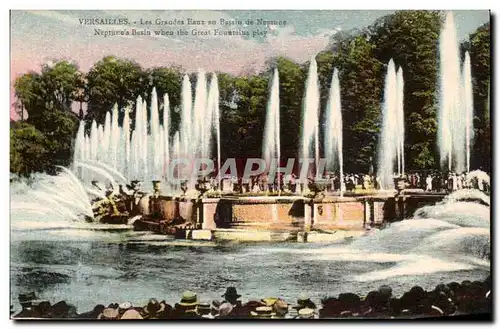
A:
{"x": 188, "y": 210}
{"x": 272, "y": 213}
{"x": 338, "y": 213}
{"x": 292, "y": 214}
{"x": 168, "y": 208}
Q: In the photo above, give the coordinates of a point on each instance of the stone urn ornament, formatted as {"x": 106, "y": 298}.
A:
{"x": 317, "y": 186}
{"x": 202, "y": 187}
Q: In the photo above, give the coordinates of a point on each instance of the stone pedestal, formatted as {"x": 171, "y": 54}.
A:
{"x": 207, "y": 213}
{"x": 167, "y": 208}
{"x": 201, "y": 235}
{"x": 142, "y": 205}
{"x": 378, "y": 212}
{"x": 399, "y": 207}
{"x": 188, "y": 211}
{"x": 367, "y": 213}
{"x": 308, "y": 216}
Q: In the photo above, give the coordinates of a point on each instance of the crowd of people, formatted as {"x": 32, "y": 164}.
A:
{"x": 332, "y": 182}
{"x": 445, "y": 182}
{"x": 435, "y": 181}
{"x": 444, "y": 300}
{"x": 124, "y": 199}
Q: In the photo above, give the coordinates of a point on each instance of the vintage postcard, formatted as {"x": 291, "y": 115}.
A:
{"x": 259, "y": 165}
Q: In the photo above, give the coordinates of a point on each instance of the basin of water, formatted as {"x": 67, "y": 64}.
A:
{"x": 87, "y": 264}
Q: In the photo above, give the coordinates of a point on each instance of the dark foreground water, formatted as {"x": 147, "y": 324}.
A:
{"x": 87, "y": 267}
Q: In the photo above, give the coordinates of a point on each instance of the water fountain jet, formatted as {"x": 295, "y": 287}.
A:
{"x": 310, "y": 116}
{"x": 333, "y": 130}
{"x": 392, "y": 132}
{"x": 271, "y": 142}
{"x": 455, "y": 129}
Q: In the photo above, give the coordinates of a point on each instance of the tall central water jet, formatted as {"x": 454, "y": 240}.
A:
{"x": 166, "y": 135}
{"x": 333, "y": 129}
{"x": 271, "y": 143}
{"x": 185, "y": 133}
{"x": 155, "y": 148}
{"x": 199, "y": 121}
{"x": 468, "y": 107}
{"x": 115, "y": 136}
{"x": 400, "y": 124}
{"x": 138, "y": 158}
{"x": 212, "y": 116}
{"x": 310, "y": 133}
{"x": 455, "y": 101}
{"x": 79, "y": 152}
{"x": 198, "y": 114}
{"x": 126, "y": 142}
{"x": 392, "y": 135}
{"x": 214, "y": 88}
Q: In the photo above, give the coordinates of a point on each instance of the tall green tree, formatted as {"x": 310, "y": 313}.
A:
{"x": 361, "y": 86}
{"x": 327, "y": 61}
{"x": 54, "y": 89}
{"x": 166, "y": 80}
{"x": 113, "y": 80}
{"x": 242, "y": 115}
{"x": 29, "y": 93}
{"x": 480, "y": 43}
{"x": 28, "y": 149}
{"x": 60, "y": 128}
{"x": 411, "y": 39}
{"x": 292, "y": 89}
{"x": 60, "y": 82}
{"x": 47, "y": 97}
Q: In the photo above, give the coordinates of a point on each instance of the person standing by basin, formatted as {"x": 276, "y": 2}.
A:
{"x": 428, "y": 182}
{"x": 231, "y": 305}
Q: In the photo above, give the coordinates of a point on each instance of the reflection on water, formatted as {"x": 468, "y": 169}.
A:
{"x": 89, "y": 272}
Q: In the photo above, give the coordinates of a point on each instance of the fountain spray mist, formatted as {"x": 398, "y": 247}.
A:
{"x": 186, "y": 122}
{"x": 166, "y": 134}
{"x": 94, "y": 138}
{"x": 115, "y": 136}
{"x": 468, "y": 107}
{"x": 333, "y": 129}
{"x": 400, "y": 125}
{"x": 198, "y": 114}
{"x": 389, "y": 143}
{"x": 145, "y": 141}
{"x": 126, "y": 141}
{"x": 155, "y": 145}
{"x": 451, "y": 118}
{"x": 271, "y": 142}
{"x": 144, "y": 153}
{"x": 310, "y": 135}
{"x": 214, "y": 96}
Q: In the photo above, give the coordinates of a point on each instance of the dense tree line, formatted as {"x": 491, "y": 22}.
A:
{"x": 44, "y": 138}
